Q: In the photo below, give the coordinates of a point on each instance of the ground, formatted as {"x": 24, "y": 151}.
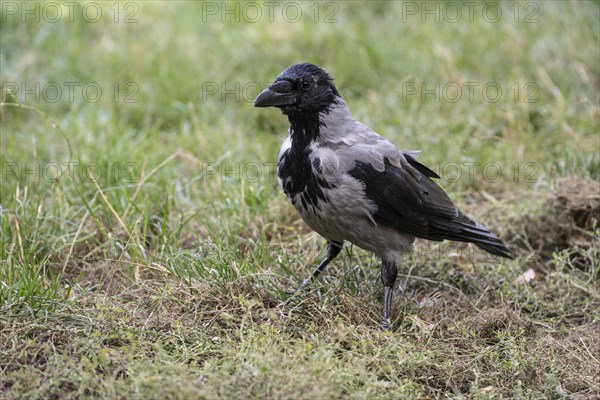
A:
{"x": 147, "y": 249}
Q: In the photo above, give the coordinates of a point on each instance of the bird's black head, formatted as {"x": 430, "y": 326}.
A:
{"x": 300, "y": 89}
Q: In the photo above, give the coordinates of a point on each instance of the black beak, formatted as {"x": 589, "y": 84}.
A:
{"x": 276, "y": 95}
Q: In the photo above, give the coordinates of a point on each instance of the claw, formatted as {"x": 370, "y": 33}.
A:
{"x": 290, "y": 299}
{"x": 385, "y": 325}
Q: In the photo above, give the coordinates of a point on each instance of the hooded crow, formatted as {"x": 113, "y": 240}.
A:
{"x": 350, "y": 184}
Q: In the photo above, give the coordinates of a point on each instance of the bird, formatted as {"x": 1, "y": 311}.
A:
{"x": 349, "y": 184}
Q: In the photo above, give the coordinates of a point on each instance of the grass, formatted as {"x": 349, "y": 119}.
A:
{"x": 146, "y": 248}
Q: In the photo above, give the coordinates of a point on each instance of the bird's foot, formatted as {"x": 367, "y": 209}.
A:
{"x": 294, "y": 295}
{"x": 386, "y": 325}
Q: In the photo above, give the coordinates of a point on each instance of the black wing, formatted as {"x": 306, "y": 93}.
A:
{"x": 410, "y": 202}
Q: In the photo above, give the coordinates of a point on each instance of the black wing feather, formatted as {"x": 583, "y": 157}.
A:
{"x": 410, "y": 202}
{"x": 420, "y": 167}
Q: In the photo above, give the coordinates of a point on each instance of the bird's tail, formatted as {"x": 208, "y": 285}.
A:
{"x": 497, "y": 249}
{"x": 476, "y": 233}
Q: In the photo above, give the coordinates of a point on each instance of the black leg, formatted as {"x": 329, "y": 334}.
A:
{"x": 388, "y": 277}
{"x": 333, "y": 249}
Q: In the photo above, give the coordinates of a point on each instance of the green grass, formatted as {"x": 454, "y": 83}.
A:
{"x": 142, "y": 257}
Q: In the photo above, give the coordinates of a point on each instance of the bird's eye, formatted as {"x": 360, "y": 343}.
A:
{"x": 305, "y": 84}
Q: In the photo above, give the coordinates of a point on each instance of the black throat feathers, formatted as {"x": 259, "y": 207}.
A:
{"x": 298, "y": 174}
